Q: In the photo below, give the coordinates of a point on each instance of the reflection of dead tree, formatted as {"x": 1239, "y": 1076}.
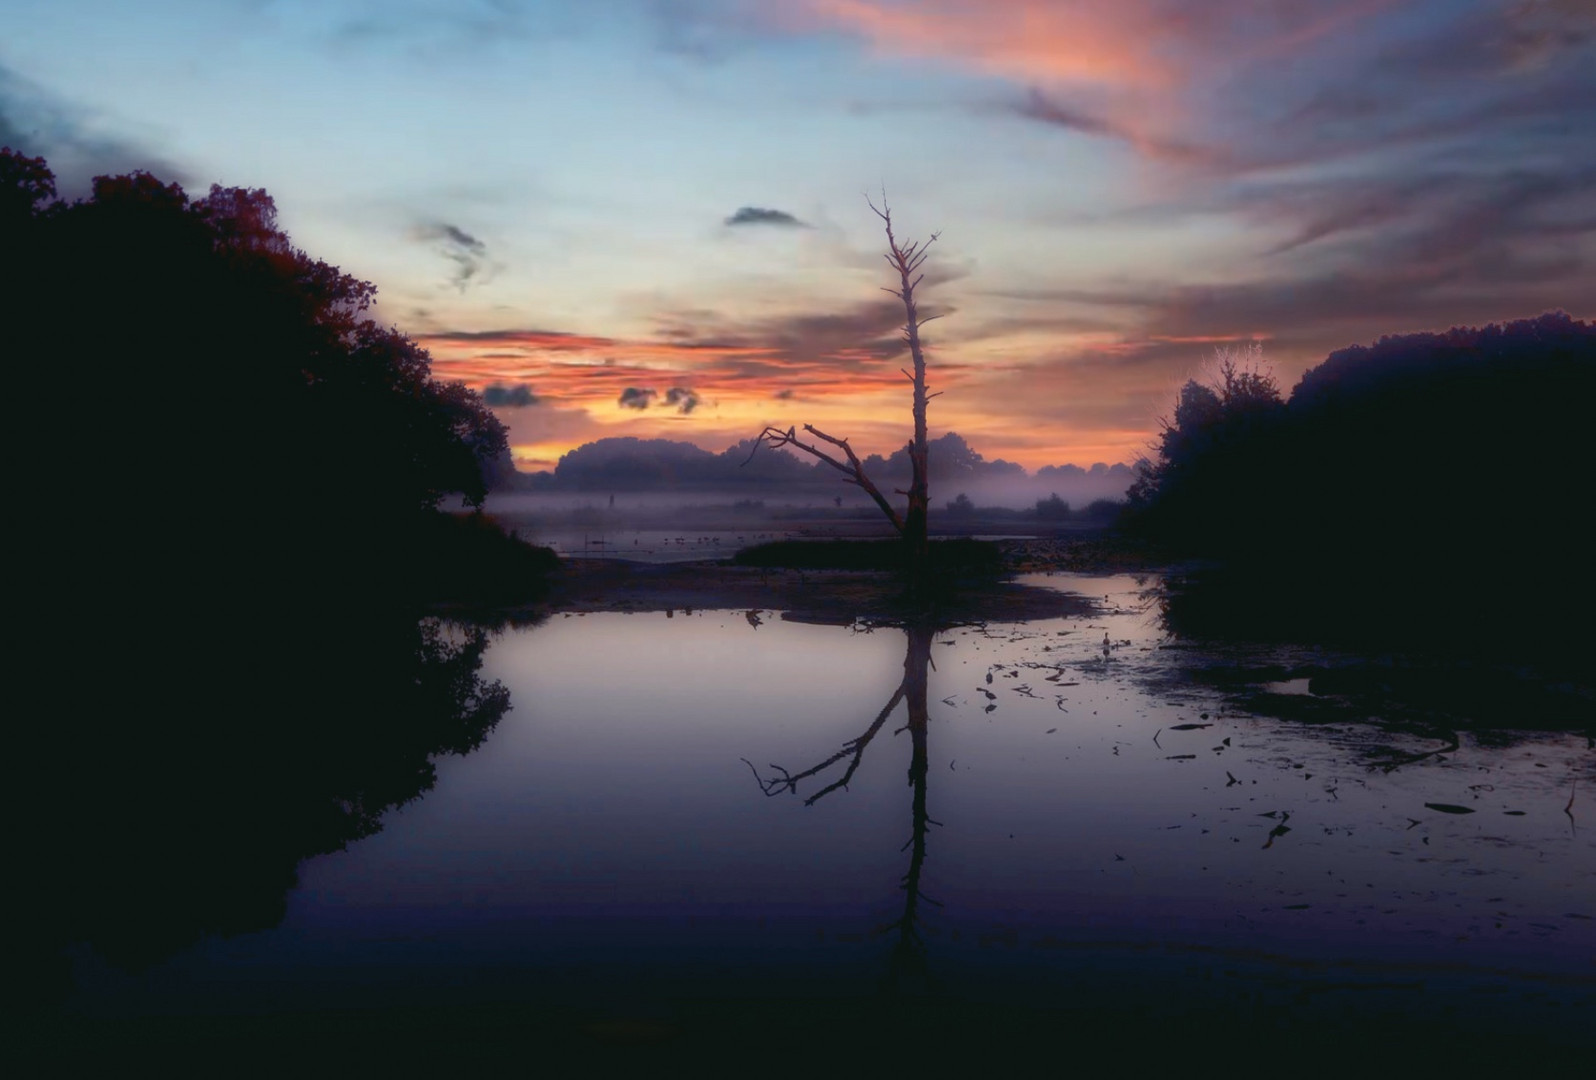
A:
{"x": 913, "y": 690}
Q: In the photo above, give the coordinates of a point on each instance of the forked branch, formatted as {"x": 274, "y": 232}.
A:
{"x": 852, "y": 471}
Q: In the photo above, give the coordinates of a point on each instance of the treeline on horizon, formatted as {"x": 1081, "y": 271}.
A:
{"x": 1435, "y": 486}
{"x": 630, "y": 464}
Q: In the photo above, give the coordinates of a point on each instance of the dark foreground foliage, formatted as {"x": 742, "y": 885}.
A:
{"x": 230, "y": 479}
{"x": 1433, "y": 489}
{"x": 212, "y": 411}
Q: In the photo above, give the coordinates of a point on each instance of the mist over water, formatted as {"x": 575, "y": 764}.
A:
{"x": 710, "y": 524}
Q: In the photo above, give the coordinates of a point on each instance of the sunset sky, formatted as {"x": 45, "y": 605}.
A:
{"x": 566, "y": 202}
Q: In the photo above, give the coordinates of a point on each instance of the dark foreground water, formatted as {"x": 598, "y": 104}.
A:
{"x": 1046, "y": 837}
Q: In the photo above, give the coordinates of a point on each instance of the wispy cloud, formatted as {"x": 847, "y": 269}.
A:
{"x": 854, "y": 349}
{"x": 757, "y": 215}
{"x": 78, "y": 143}
{"x": 468, "y": 254}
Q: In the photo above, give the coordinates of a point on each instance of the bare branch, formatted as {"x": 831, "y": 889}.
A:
{"x": 853, "y": 470}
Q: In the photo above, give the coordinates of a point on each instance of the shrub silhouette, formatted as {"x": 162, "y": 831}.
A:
{"x": 1429, "y": 485}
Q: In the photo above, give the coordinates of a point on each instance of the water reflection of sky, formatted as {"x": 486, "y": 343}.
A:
{"x": 609, "y": 842}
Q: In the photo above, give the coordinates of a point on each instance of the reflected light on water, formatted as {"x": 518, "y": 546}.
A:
{"x": 614, "y": 841}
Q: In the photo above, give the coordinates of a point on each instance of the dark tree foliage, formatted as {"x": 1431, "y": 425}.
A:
{"x": 226, "y": 527}
{"x": 1431, "y": 484}
{"x": 218, "y": 395}
{"x": 627, "y": 463}
{"x": 1205, "y": 469}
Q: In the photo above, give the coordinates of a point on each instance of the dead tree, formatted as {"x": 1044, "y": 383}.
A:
{"x": 911, "y": 524}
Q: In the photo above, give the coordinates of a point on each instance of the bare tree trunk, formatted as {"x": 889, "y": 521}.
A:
{"x": 906, "y": 261}
{"x": 911, "y": 524}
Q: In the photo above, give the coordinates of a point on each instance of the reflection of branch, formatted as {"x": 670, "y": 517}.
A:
{"x": 1409, "y": 759}
{"x": 789, "y": 781}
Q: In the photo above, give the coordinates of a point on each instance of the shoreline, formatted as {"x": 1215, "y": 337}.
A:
{"x": 591, "y": 585}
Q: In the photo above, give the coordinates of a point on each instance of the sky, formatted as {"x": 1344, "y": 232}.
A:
{"x": 650, "y": 217}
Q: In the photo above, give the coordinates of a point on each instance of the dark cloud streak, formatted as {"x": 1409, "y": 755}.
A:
{"x": 38, "y": 124}
{"x": 684, "y": 400}
{"x": 513, "y": 396}
{"x": 758, "y": 215}
{"x": 469, "y": 255}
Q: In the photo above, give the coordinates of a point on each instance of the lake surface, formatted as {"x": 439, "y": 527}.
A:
{"x": 1070, "y": 829}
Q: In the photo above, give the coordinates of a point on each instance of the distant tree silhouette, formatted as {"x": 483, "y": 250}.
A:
{"x": 961, "y": 506}
{"x": 1052, "y": 508}
{"x": 906, "y": 260}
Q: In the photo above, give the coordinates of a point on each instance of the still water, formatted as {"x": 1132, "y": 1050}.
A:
{"x": 1067, "y": 824}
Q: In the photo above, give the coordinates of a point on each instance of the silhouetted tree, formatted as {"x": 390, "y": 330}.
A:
{"x": 961, "y": 506}
{"x": 225, "y": 397}
{"x": 1204, "y": 464}
{"x": 228, "y": 528}
{"x": 905, "y": 259}
{"x": 1396, "y": 479}
{"x": 1052, "y": 508}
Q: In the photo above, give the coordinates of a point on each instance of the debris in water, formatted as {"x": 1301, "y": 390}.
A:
{"x": 1449, "y": 808}
{"x": 1279, "y": 830}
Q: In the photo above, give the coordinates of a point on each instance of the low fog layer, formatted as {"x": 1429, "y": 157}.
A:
{"x": 655, "y": 474}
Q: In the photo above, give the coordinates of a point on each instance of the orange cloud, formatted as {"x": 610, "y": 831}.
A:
{"x": 1137, "y": 70}
{"x": 1035, "y": 40}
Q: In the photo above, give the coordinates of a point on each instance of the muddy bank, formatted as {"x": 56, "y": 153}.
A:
{"x": 830, "y": 596}
{"x": 583, "y": 585}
